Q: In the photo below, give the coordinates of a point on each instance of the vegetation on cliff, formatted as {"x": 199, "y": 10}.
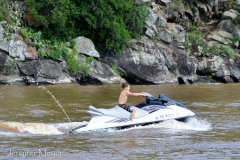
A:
{"x": 109, "y": 24}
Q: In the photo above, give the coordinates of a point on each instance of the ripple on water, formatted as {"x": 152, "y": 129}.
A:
{"x": 38, "y": 113}
{"x": 234, "y": 104}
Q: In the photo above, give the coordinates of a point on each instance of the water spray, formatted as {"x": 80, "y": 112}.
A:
{"x": 45, "y": 89}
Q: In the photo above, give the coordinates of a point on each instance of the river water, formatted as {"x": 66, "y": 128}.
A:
{"x": 35, "y": 122}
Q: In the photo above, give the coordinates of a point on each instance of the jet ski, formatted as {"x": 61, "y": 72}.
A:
{"x": 152, "y": 110}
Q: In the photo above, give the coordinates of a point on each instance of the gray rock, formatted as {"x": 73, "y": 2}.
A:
{"x": 229, "y": 15}
{"x": 99, "y": 73}
{"x": 236, "y": 31}
{"x": 212, "y": 2}
{"x": 48, "y": 69}
{"x": 16, "y": 50}
{"x": 165, "y": 36}
{"x": 11, "y": 79}
{"x": 227, "y": 26}
{"x": 86, "y": 46}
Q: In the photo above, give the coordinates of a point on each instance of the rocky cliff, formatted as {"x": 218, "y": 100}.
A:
{"x": 160, "y": 56}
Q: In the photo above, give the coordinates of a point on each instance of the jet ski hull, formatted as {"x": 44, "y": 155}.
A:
{"x": 156, "y": 114}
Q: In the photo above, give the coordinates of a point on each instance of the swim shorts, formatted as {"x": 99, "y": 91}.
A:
{"x": 124, "y": 106}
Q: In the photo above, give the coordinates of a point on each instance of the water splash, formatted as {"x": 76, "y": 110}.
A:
{"x": 45, "y": 89}
{"x": 22, "y": 129}
{"x": 192, "y": 124}
{"x": 32, "y": 128}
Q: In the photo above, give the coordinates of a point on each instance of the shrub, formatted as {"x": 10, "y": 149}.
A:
{"x": 109, "y": 24}
{"x": 176, "y": 4}
{"x": 226, "y": 50}
{"x": 114, "y": 68}
{"x": 77, "y": 67}
{"x": 193, "y": 40}
{"x": 54, "y": 49}
{"x": 3, "y": 9}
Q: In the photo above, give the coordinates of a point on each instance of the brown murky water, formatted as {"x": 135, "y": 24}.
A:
{"x": 35, "y": 122}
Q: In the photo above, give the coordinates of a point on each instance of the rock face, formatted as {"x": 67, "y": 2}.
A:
{"x": 154, "y": 63}
{"x": 160, "y": 56}
{"x": 37, "y": 71}
{"x": 32, "y": 70}
{"x": 3, "y": 59}
{"x": 101, "y": 73}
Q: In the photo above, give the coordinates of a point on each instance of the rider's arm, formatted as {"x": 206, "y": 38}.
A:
{"x": 134, "y": 94}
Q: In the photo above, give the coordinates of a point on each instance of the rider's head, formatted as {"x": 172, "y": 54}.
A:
{"x": 125, "y": 85}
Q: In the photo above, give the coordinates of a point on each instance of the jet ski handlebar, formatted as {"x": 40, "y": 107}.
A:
{"x": 148, "y": 96}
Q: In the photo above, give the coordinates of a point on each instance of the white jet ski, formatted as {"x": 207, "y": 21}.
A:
{"x": 152, "y": 110}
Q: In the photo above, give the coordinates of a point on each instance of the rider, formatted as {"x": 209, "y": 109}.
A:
{"x": 122, "y": 101}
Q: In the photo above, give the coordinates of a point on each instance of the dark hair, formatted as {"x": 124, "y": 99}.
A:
{"x": 124, "y": 85}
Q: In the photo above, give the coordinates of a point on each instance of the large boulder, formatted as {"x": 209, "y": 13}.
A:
{"x": 221, "y": 36}
{"x": 20, "y": 50}
{"x": 147, "y": 62}
{"x": 86, "y": 46}
{"x": 224, "y": 69}
{"x": 44, "y": 71}
{"x": 227, "y": 26}
{"x": 3, "y": 40}
{"x": 230, "y": 15}
{"x": 99, "y": 73}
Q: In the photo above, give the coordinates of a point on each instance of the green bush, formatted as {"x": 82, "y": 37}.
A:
{"x": 237, "y": 20}
{"x": 55, "y": 49}
{"x": 3, "y": 9}
{"x": 193, "y": 40}
{"x": 76, "y": 66}
{"x": 176, "y": 4}
{"x": 195, "y": 35}
{"x": 108, "y": 23}
{"x": 226, "y": 50}
{"x": 114, "y": 68}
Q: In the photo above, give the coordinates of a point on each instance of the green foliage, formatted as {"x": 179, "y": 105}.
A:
{"x": 3, "y": 9}
{"x": 226, "y": 50}
{"x": 49, "y": 49}
{"x": 55, "y": 49}
{"x": 237, "y": 20}
{"x": 208, "y": 77}
{"x": 216, "y": 49}
{"x": 235, "y": 40}
{"x": 76, "y": 66}
{"x": 176, "y": 4}
{"x": 226, "y": 7}
{"x": 194, "y": 43}
{"x": 109, "y": 24}
{"x": 135, "y": 20}
{"x": 54, "y": 17}
{"x": 193, "y": 40}
{"x": 114, "y": 68}
{"x": 195, "y": 35}
{"x": 13, "y": 17}
{"x": 191, "y": 5}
